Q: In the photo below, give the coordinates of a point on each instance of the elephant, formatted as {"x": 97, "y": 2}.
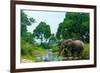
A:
{"x": 71, "y": 48}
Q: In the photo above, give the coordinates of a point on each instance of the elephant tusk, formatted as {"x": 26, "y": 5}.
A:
{"x": 61, "y": 52}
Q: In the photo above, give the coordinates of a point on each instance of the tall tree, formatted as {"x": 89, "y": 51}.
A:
{"x": 25, "y": 21}
{"x": 42, "y": 31}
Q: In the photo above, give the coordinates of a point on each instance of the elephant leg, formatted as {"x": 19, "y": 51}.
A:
{"x": 80, "y": 54}
{"x": 66, "y": 54}
{"x": 74, "y": 54}
{"x": 69, "y": 54}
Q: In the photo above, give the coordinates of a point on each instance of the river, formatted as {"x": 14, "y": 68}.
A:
{"x": 49, "y": 56}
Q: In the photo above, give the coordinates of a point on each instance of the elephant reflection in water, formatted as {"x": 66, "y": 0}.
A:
{"x": 71, "y": 48}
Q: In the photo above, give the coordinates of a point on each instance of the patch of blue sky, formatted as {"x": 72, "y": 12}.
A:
{"x": 50, "y": 17}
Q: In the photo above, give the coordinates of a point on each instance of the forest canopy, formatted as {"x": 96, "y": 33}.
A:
{"x": 75, "y": 25}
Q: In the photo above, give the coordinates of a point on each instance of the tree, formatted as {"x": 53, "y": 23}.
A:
{"x": 25, "y": 21}
{"x": 42, "y": 31}
{"x": 59, "y": 31}
{"x": 52, "y": 39}
{"x": 75, "y": 25}
{"x": 27, "y": 41}
{"x": 28, "y": 37}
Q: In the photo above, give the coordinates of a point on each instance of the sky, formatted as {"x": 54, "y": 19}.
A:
{"x": 50, "y": 17}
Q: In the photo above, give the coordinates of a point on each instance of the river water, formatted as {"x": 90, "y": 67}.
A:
{"x": 49, "y": 56}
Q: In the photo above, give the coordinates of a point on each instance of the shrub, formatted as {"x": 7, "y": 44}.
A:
{"x": 85, "y": 54}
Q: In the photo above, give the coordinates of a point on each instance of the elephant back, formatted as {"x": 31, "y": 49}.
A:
{"x": 78, "y": 44}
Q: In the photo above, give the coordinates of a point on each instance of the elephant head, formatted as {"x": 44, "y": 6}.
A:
{"x": 64, "y": 45}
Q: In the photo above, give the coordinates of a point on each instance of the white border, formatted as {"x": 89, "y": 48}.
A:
{"x": 52, "y": 64}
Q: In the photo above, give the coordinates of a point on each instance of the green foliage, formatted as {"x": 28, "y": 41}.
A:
{"x": 32, "y": 20}
{"x": 25, "y": 21}
{"x": 26, "y": 48}
{"x": 28, "y": 58}
{"x": 28, "y": 37}
{"x": 55, "y": 48}
{"x": 85, "y": 54}
{"x": 75, "y": 25}
{"x": 29, "y": 51}
{"x": 42, "y": 31}
{"x": 45, "y": 45}
{"x": 52, "y": 40}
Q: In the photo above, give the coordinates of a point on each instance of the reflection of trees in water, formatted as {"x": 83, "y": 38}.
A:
{"x": 49, "y": 56}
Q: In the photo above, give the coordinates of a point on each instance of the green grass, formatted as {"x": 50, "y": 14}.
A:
{"x": 28, "y": 57}
{"x": 30, "y": 51}
{"x": 85, "y": 54}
